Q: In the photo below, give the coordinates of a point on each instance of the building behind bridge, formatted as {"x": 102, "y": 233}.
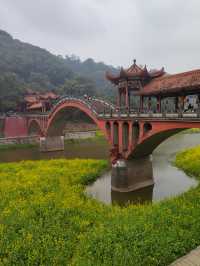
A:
{"x": 37, "y": 101}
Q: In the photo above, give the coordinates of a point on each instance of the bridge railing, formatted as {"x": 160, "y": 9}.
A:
{"x": 148, "y": 114}
{"x": 92, "y": 103}
{"x": 102, "y": 108}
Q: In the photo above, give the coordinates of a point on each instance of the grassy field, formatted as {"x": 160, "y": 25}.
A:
{"x": 189, "y": 161}
{"x": 46, "y": 218}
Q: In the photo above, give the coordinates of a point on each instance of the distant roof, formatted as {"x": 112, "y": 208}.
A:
{"x": 35, "y": 106}
{"x": 30, "y": 99}
{"x": 134, "y": 71}
{"x": 35, "y": 97}
{"x": 48, "y": 95}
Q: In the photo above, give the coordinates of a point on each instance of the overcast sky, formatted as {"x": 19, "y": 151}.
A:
{"x": 157, "y": 33}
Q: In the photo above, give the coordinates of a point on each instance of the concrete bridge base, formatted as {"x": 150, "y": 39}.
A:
{"x": 130, "y": 175}
{"x": 52, "y": 144}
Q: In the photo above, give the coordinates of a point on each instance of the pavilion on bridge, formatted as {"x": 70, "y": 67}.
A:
{"x": 142, "y": 90}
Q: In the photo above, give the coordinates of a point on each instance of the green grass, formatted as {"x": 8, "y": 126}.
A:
{"x": 46, "y": 218}
{"x": 4, "y": 147}
{"x": 189, "y": 161}
{"x": 191, "y": 131}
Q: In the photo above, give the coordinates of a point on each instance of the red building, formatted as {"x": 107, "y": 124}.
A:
{"x": 40, "y": 102}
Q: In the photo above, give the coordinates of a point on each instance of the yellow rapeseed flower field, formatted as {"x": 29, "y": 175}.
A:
{"x": 47, "y": 219}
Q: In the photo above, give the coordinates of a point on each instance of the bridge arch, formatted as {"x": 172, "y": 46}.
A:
{"x": 34, "y": 127}
{"x": 159, "y": 132}
{"x": 77, "y": 105}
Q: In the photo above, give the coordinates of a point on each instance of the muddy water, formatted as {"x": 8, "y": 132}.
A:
{"x": 169, "y": 181}
{"x": 84, "y": 149}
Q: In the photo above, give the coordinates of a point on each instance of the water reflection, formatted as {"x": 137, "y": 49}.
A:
{"x": 131, "y": 175}
{"x": 169, "y": 181}
{"x": 101, "y": 190}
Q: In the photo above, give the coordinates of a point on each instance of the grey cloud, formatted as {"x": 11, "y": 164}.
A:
{"x": 71, "y": 19}
{"x": 158, "y": 33}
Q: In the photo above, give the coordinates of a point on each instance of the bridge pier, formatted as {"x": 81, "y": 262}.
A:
{"x": 130, "y": 175}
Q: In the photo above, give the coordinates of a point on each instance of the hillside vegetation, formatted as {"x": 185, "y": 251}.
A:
{"x": 23, "y": 66}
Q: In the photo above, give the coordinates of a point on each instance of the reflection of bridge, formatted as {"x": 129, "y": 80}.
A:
{"x": 159, "y": 111}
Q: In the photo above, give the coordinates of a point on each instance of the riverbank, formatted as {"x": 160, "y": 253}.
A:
{"x": 46, "y": 218}
{"x": 99, "y": 138}
{"x": 189, "y": 161}
{"x": 5, "y": 147}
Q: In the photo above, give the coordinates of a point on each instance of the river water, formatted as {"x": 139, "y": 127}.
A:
{"x": 169, "y": 181}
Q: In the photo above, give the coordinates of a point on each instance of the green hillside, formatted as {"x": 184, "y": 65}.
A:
{"x": 24, "y": 66}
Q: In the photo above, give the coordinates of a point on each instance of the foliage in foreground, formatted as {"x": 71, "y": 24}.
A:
{"x": 45, "y": 218}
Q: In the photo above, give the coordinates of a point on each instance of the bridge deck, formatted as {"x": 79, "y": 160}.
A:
{"x": 132, "y": 115}
{"x": 153, "y": 116}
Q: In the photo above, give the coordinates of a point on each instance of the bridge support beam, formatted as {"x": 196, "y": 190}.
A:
{"x": 130, "y": 175}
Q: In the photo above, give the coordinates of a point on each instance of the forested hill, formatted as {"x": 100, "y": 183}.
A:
{"x": 24, "y": 66}
{"x": 90, "y": 69}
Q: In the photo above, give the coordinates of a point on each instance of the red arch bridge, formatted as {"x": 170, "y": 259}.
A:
{"x": 151, "y": 106}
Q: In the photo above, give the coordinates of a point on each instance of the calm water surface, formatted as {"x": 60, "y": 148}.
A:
{"x": 169, "y": 181}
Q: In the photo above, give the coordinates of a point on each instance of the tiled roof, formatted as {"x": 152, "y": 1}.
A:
{"x": 188, "y": 82}
{"x": 30, "y": 99}
{"x": 48, "y": 95}
{"x": 135, "y": 71}
{"x": 35, "y": 97}
{"x": 35, "y": 106}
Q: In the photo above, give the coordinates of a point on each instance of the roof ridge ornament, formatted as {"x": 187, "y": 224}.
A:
{"x": 135, "y": 72}
{"x": 145, "y": 68}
